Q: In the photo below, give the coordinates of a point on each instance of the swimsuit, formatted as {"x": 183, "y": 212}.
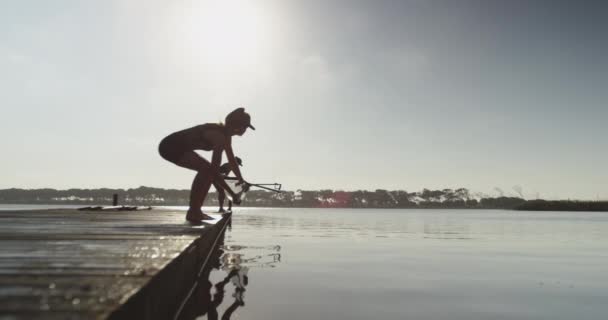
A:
{"x": 173, "y": 146}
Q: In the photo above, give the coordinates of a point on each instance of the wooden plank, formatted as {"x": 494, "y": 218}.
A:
{"x": 58, "y": 264}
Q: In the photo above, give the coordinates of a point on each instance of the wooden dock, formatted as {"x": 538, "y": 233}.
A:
{"x": 69, "y": 264}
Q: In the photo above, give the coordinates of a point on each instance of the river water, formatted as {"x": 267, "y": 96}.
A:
{"x": 410, "y": 264}
{"x": 416, "y": 264}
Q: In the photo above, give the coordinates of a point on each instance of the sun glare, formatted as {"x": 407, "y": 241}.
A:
{"x": 225, "y": 33}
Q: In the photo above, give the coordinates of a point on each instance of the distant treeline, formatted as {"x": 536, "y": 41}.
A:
{"x": 563, "y": 205}
{"x": 447, "y": 198}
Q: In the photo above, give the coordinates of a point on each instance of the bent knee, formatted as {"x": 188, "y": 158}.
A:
{"x": 193, "y": 161}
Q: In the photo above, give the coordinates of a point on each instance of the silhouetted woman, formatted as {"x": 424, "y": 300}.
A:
{"x": 179, "y": 148}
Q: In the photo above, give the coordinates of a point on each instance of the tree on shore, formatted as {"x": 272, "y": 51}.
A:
{"x": 326, "y": 198}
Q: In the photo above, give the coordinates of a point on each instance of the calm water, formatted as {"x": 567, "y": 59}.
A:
{"x": 417, "y": 264}
{"x": 409, "y": 264}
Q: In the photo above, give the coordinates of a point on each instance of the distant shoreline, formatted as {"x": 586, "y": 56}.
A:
{"x": 378, "y": 199}
{"x": 563, "y": 205}
{"x": 579, "y": 206}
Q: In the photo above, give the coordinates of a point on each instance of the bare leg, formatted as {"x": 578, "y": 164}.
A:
{"x": 200, "y": 188}
{"x": 200, "y": 185}
{"x": 191, "y": 160}
{"x": 221, "y": 195}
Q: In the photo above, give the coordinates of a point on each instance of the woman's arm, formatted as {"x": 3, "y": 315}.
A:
{"x": 219, "y": 142}
{"x": 232, "y": 160}
{"x": 216, "y": 159}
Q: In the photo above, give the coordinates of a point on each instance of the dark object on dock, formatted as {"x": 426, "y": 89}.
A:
{"x": 68, "y": 264}
{"x": 115, "y": 208}
{"x": 115, "y": 199}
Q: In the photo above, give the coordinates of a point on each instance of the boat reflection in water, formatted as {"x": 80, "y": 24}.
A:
{"x": 230, "y": 265}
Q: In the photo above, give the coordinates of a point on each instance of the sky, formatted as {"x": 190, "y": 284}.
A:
{"x": 345, "y": 95}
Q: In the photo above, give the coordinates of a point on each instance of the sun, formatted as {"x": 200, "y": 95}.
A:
{"x": 225, "y": 33}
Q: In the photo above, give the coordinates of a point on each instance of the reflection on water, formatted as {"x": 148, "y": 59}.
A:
{"x": 235, "y": 257}
{"x": 222, "y": 285}
{"x": 406, "y": 264}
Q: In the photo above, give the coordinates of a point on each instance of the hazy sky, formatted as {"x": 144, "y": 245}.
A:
{"x": 344, "y": 94}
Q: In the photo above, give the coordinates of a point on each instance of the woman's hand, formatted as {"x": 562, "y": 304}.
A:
{"x": 244, "y": 185}
{"x": 236, "y": 199}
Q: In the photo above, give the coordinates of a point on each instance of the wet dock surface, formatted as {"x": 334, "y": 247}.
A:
{"x": 69, "y": 264}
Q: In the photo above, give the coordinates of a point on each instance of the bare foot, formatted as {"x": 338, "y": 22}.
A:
{"x": 196, "y": 216}
{"x": 221, "y": 210}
